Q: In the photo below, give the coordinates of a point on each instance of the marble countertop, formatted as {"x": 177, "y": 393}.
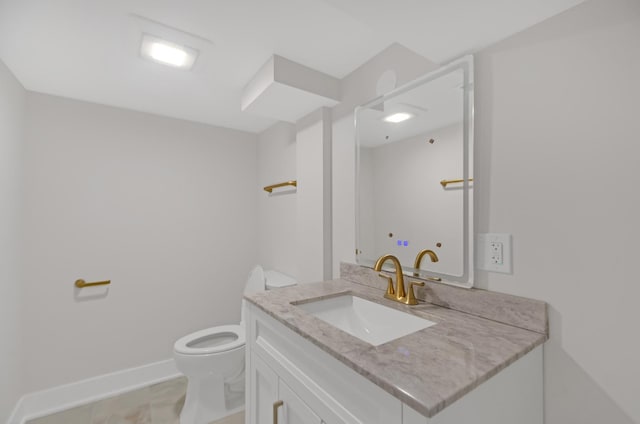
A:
{"x": 427, "y": 370}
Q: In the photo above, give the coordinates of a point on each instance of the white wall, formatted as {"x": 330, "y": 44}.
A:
{"x": 295, "y": 224}
{"x": 313, "y": 220}
{"x": 277, "y": 213}
{"x": 12, "y": 105}
{"x": 164, "y": 208}
{"x": 557, "y": 156}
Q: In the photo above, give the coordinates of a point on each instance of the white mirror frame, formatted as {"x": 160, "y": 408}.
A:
{"x": 466, "y": 65}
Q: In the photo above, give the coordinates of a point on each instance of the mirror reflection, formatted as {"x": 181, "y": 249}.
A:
{"x": 414, "y": 176}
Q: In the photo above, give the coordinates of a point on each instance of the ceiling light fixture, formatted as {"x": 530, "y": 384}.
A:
{"x": 398, "y": 117}
{"x": 167, "y": 53}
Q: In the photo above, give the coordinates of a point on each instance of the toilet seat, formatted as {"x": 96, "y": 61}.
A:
{"x": 213, "y": 359}
{"x": 211, "y": 340}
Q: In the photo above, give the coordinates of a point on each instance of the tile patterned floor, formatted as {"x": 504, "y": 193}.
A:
{"x": 157, "y": 404}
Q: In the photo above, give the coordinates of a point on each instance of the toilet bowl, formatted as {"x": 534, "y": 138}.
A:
{"x": 213, "y": 360}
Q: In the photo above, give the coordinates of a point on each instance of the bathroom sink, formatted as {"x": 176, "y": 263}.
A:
{"x": 370, "y": 322}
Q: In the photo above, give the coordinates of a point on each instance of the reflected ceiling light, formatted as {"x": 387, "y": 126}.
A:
{"x": 398, "y": 117}
{"x": 167, "y": 53}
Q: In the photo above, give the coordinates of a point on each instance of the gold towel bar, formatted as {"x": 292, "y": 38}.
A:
{"x": 445, "y": 182}
{"x": 286, "y": 183}
{"x": 81, "y": 283}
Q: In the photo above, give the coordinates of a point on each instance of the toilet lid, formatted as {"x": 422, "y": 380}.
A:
{"x": 211, "y": 340}
{"x": 275, "y": 279}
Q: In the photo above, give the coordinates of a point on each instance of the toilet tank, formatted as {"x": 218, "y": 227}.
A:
{"x": 276, "y": 279}
{"x": 259, "y": 280}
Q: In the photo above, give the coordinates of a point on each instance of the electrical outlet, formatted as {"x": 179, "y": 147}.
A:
{"x": 494, "y": 252}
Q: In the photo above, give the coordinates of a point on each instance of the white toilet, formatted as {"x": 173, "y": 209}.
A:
{"x": 213, "y": 360}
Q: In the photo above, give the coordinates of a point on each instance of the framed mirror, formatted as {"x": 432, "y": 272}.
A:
{"x": 415, "y": 176}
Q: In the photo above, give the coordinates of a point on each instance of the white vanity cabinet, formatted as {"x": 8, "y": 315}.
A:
{"x": 270, "y": 393}
{"x": 283, "y": 366}
{"x": 306, "y": 385}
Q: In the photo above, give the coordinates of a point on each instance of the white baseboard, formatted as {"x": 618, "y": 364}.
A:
{"x": 56, "y": 399}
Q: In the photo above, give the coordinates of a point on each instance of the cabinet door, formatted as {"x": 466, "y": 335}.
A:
{"x": 293, "y": 409}
{"x": 264, "y": 391}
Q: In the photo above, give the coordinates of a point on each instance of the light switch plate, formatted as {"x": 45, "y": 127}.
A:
{"x": 494, "y": 252}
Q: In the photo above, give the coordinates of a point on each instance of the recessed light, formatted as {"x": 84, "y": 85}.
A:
{"x": 398, "y": 117}
{"x": 167, "y": 53}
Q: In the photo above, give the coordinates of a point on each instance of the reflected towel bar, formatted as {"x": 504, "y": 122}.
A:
{"x": 81, "y": 283}
{"x": 270, "y": 188}
{"x": 445, "y": 182}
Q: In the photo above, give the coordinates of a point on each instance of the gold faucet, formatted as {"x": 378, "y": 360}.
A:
{"x": 392, "y": 294}
{"x": 398, "y": 294}
{"x": 416, "y": 264}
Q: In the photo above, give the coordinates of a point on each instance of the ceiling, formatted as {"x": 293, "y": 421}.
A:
{"x": 88, "y": 50}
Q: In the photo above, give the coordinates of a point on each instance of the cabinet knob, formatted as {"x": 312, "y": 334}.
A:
{"x": 277, "y": 404}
